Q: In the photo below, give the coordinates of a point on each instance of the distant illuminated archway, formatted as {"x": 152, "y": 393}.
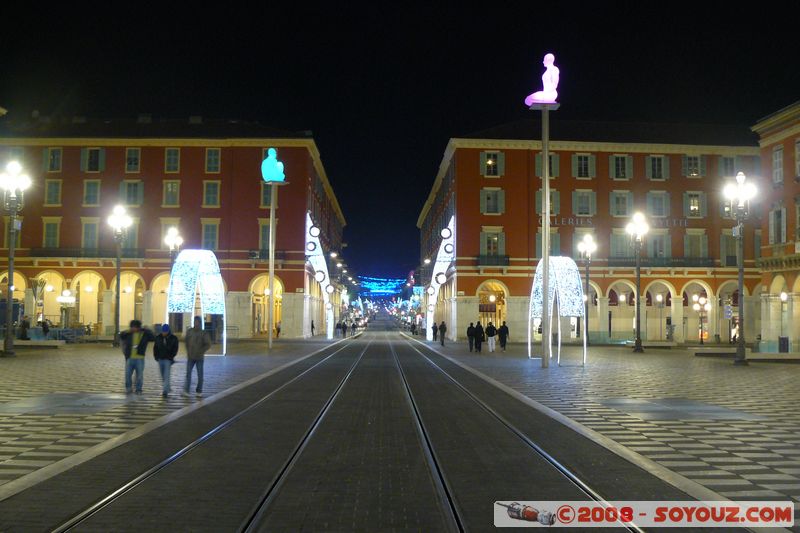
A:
{"x": 197, "y": 271}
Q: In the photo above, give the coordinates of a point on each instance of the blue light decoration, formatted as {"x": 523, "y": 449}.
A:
{"x": 271, "y": 168}
{"x": 446, "y": 255}
{"x": 316, "y": 256}
{"x": 377, "y": 287}
{"x": 565, "y": 290}
{"x": 197, "y": 271}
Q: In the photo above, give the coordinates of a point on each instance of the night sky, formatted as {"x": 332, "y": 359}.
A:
{"x": 384, "y": 87}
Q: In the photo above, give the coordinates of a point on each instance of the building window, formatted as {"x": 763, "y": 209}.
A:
{"x": 211, "y": 193}
{"x": 694, "y": 204}
{"x": 492, "y": 201}
{"x": 212, "y": 160}
{"x": 727, "y": 167}
{"x": 51, "y": 231}
{"x": 777, "y": 226}
{"x": 54, "y": 159}
{"x": 695, "y": 245}
{"x": 727, "y": 249}
{"x": 94, "y": 159}
{"x": 493, "y": 241}
{"x": 621, "y": 203}
{"x": 757, "y": 244}
{"x": 133, "y": 159}
{"x": 659, "y": 245}
{"x": 583, "y": 203}
{"x": 91, "y": 193}
{"x": 693, "y": 165}
{"x": 132, "y": 193}
{"x": 52, "y": 193}
{"x": 620, "y": 244}
{"x": 263, "y": 235}
{"x": 621, "y": 167}
{"x": 553, "y": 168}
{"x": 656, "y": 167}
{"x": 777, "y": 164}
{"x": 130, "y": 239}
{"x": 172, "y": 160}
{"x": 582, "y": 166}
{"x": 210, "y": 235}
{"x": 266, "y": 195}
{"x": 555, "y": 202}
{"x": 491, "y": 165}
{"x": 658, "y": 204}
{"x": 171, "y": 194}
{"x": 89, "y": 235}
{"x": 555, "y": 243}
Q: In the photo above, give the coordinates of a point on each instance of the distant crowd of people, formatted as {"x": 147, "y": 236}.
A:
{"x": 345, "y": 326}
{"x": 476, "y": 335}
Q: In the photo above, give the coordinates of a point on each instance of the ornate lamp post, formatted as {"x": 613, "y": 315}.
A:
{"x": 13, "y": 182}
{"x": 702, "y": 306}
{"x": 586, "y": 248}
{"x": 740, "y": 194}
{"x": 273, "y": 176}
{"x": 637, "y": 229}
{"x": 660, "y": 304}
{"x": 783, "y": 297}
{"x": 119, "y": 222}
{"x": 174, "y": 241}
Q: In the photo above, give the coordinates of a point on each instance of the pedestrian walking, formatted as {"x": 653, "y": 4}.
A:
{"x": 338, "y": 329}
{"x": 197, "y": 344}
{"x": 278, "y": 330}
{"x": 165, "y": 348}
{"x": 24, "y": 327}
{"x": 442, "y": 331}
{"x": 134, "y": 347}
{"x": 435, "y": 330}
{"x": 413, "y": 329}
{"x": 344, "y": 330}
{"x": 478, "y": 336}
{"x": 312, "y": 328}
{"x": 502, "y": 334}
{"x": 471, "y": 336}
{"x": 491, "y": 331}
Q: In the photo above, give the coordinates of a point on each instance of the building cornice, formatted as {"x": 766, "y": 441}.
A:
{"x": 777, "y": 119}
{"x": 449, "y": 151}
{"x": 577, "y": 146}
{"x": 779, "y": 136}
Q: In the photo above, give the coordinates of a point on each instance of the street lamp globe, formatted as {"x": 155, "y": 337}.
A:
{"x": 784, "y": 296}
{"x": 659, "y": 298}
{"x": 173, "y": 239}
{"x": 696, "y": 306}
{"x": 119, "y": 219}
{"x": 587, "y": 246}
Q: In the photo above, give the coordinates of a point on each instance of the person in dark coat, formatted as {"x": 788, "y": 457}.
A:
{"x": 471, "y": 336}
{"x": 442, "y": 331}
{"x": 502, "y": 334}
{"x": 165, "y": 348}
{"x": 134, "y": 343}
{"x": 23, "y": 328}
{"x": 435, "y": 330}
{"x": 491, "y": 333}
{"x": 478, "y": 336}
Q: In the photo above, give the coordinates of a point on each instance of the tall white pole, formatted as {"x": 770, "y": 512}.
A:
{"x": 273, "y": 201}
{"x": 546, "y": 310}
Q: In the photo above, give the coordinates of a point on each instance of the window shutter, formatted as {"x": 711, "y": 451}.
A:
{"x": 666, "y": 204}
{"x": 84, "y": 159}
{"x": 574, "y": 166}
{"x": 592, "y": 166}
{"x": 668, "y": 245}
{"x": 703, "y": 205}
{"x": 483, "y": 164}
{"x": 702, "y": 165}
{"x": 574, "y": 202}
{"x": 772, "y": 227}
{"x": 721, "y": 167}
{"x": 665, "y": 167}
{"x": 684, "y": 165}
{"x": 686, "y": 204}
{"x": 651, "y": 246}
{"x": 686, "y": 245}
{"x": 737, "y": 164}
{"x": 539, "y": 201}
{"x": 501, "y": 243}
{"x": 630, "y": 203}
{"x": 556, "y": 207}
{"x": 783, "y": 224}
{"x": 704, "y": 246}
{"x": 723, "y": 251}
{"x": 483, "y": 243}
{"x": 501, "y": 164}
{"x": 45, "y": 159}
{"x": 102, "y": 159}
{"x": 555, "y": 164}
{"x": 122, "y": 196}
{"x": 483, "y": 201}
{"x": 538, "y": 244}
{"x": 501, "y": 201}
{"x": 629, "y": 167}
{"x": 648, "y": 167}
{"x": 611, "y": 167}
{"x": 539, "y": 164}
{"x": 593, "y": 203}
{"x": 555, "y": 244}
{"x": 612, "y": 207}
{"x": 140, "y": 192}
{"x": 649, "y": 198}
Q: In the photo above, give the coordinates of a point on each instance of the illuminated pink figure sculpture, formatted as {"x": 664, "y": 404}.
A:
{"x": 548, "y": 94}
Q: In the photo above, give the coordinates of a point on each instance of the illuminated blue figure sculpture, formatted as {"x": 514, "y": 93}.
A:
{"x": 565, "y": 291}
{"x": 271, "y": 168}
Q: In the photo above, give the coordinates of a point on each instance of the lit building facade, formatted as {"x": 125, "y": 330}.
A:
{"x": 602, "y": 173}
{"x": 202, "y": 177}
{"x": 779, "y": 140}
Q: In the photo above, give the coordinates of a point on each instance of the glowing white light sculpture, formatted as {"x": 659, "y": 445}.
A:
{"x": 316, "y": 256}
{"x": 319, "y": 276}
{"x": 548, "y": 94}
{"x": 197, "y": 271}
{"x": 565, "y": 290}
{"x": 445, "y": 256}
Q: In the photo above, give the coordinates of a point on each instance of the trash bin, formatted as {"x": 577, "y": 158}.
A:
{"x": 783, "y": 344}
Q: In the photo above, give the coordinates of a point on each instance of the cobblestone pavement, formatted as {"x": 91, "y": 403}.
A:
{"x": 58, "y": 402}
{"x": 735, "y": 430}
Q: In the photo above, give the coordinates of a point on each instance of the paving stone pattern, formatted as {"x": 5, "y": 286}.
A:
{"x": 755, "y": 455}
{"x": 55, "y": 403}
